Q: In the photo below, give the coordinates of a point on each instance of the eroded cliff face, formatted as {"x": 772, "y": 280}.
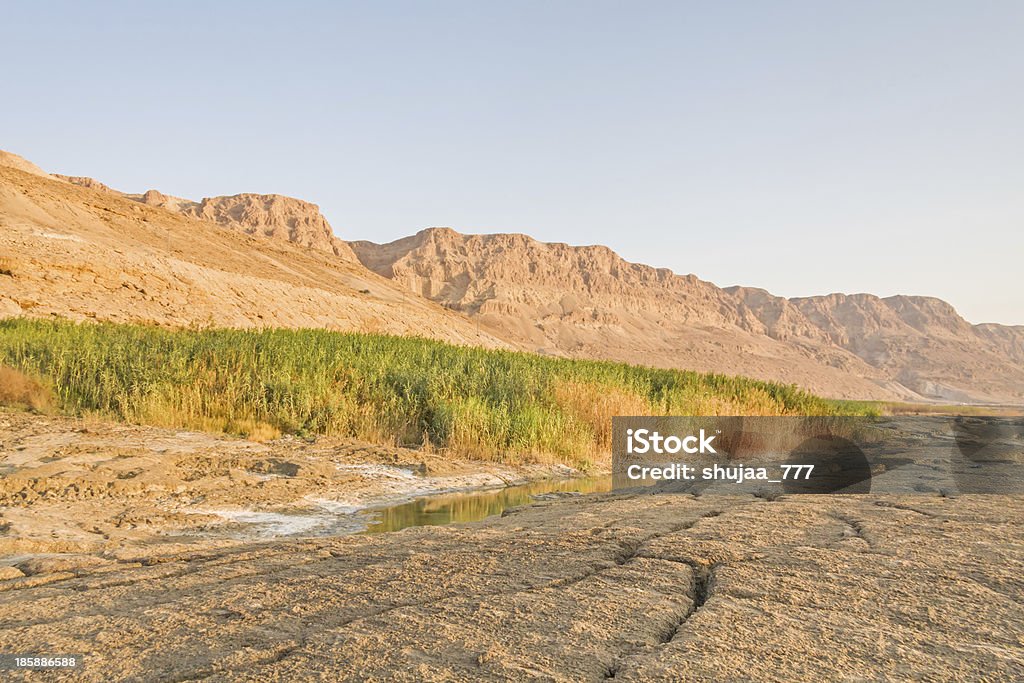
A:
{"x": 518, "y": 274}
{"x": 274, "y": 216}
{"x": 589, "y": 302}
{"x": 260, "y": 215}
{"x": 921, "y": 342}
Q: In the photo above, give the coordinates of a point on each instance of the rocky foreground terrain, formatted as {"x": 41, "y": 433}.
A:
{"x": 114, "y": 545}
{"x": 605, "y": 587}
{"x": 71, "y": 246}
{"x": 77, "y": 488}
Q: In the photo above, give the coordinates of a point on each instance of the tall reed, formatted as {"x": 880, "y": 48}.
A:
{"x": 499, "y": 405}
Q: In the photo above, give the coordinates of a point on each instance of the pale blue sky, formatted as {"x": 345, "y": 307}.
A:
{"x": 803, "y": 147}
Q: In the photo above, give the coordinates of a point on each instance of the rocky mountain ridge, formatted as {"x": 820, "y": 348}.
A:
{"x": 589, "y": 302}
{"x": 502, "y": 289}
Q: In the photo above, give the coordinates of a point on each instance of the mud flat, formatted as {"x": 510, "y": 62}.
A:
{"x": 71, "y": 486}
{"x": 603, "y": 587}
{"x": 615, "y": 586}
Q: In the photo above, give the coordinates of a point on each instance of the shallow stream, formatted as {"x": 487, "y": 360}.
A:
{"x": 446, "y": 507}
{"x": 472, "y": 506}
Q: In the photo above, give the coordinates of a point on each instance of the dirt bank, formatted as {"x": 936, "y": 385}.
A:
{"x": 68, "y": 486}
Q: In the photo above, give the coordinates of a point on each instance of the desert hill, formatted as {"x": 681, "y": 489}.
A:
{"x": 260, "y": 215}
{"x": 589, "y": 302}
{"x": 76, "y": 252}
{"x": 75, "y": 247}
{"x": 14, "y": 161}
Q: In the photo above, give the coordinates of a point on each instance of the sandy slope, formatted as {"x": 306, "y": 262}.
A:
{"x": 71, "y": 251}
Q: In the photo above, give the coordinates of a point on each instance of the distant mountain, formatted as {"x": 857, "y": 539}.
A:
{"x": 84, "y": 250}
{"x": 589, "y": 302}
{"x": 920, "y": 342}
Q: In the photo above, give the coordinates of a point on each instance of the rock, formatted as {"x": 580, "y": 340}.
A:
{"x": 7, "y": 573}
{"x": 274, "y": 216}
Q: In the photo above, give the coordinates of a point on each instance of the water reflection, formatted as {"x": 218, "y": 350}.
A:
{"x": 472, "y": 507}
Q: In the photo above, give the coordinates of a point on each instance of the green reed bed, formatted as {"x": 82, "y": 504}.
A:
{"x": 489, "y": 404}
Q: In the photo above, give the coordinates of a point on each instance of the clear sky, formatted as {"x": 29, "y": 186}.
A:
{"x": 802, "y": 147}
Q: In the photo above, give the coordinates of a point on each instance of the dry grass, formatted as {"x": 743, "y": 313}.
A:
{"x": 935, "y": 409}
{"x": 596, "y": 404}
{"x": 21, "y": 391}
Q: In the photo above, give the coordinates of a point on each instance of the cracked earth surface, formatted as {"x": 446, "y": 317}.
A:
{"x": 632, "y": 587}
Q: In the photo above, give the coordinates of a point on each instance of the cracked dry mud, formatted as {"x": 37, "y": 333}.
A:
{"x": 69, "y": 486}
{"x": 604, "y": 587}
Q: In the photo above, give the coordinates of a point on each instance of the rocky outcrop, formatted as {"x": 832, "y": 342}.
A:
{"x": 540, "y": 279}
{"x": 74, "y": 252}
{"x": 85, "y": 181}
{"x": 274, "y": 216}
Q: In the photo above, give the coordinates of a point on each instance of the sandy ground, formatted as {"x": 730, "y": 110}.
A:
{"x": 620, "y": 586}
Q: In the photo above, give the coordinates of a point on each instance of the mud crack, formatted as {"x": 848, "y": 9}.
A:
{"x": 854, "y": 529}
{"x": 702, "y": 586}
{"x": 909, "y": 508}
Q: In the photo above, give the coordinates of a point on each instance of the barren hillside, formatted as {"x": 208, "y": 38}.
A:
{"x": 72, "y": 246}
{"x": 75, "y": 252}
{"x": 589, "y": 302}
{"x": 260, "y": 215}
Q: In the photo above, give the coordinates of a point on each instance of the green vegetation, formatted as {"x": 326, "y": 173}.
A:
{"x": 498, "y": 405}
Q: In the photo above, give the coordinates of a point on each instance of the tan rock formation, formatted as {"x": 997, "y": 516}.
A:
{"x": 73, "y": 252}
{"x": 83, "y": 181}
{"x": 272, "y": 215}
{"x": 589, "y": 302}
